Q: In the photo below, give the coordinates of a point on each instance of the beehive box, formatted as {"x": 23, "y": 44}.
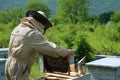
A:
{"x": 2, "y": 68}
{"x": 104, "y": 69}
{"x": 3, "y": 52}
{"x": 60, "y": 69}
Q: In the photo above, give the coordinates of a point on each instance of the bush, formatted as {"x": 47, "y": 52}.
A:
{"x": 7, "y": 16}
{"x": 6, "y": 30}
{"x": 84, "y": 50}
{"x": 4, "y": 40}
{"x": 105, "y": 17}
{"x": 116, "y": 16}
{"x": 115, "y": 36}
{"x": 118, "y": 27}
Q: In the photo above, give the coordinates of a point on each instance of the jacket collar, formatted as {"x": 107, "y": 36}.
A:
{"x": 31, "y": 22}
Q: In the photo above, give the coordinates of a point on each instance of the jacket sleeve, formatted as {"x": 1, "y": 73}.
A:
{"x": 48, "y": 48}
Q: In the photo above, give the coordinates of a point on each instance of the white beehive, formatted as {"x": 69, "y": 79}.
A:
{"x": 104, "y": 69}
{"x": 3, "y": 52}
{"x": 2, "y": 68}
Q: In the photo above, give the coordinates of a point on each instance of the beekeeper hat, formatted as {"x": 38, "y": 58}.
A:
{"x": 40, "y": 17}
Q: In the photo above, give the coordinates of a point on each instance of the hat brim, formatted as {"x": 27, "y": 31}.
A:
{"x": 39, "y": 17}
{"x": 47, "y": 22}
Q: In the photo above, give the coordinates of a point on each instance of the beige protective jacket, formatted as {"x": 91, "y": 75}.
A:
{"x": 26, "y": 42}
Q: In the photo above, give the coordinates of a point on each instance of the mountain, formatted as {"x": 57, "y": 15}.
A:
{"x": 9, "y": 4}
{"x": 96, "y": 7}
{"x": 100, "y": 6}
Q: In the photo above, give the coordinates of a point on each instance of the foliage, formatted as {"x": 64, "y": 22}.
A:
{"x": 5, "y": 31}
{"x": 9, "y": 15}
{"x": 52, "y": 4}
{"x": 118, "y": 27}
{"x": 8, "y": 20}
{"x": 116, "y": 16}
{"x": 102, "y": 39}
{"x": 56, "y": 34}
{"x": 84, "y": 50}
{"x": 38, "y": 6}
{"x": 92, "y": 19}
{"x": 105, "y": 17}
{"x": 115, "y": 34}
{"x": 69, "y": 37}
{"x": 72, "y": 10}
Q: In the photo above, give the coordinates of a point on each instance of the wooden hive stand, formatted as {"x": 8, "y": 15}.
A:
{"x": 59, "y": 69}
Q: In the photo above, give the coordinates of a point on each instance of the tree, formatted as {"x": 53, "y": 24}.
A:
{"x": 72, "y": 10}
{"x": 84, "y": 50}
{"x": 105, "y": 17}
{"x": 38, "y": 6}
{"x": 7, "y": 16}
{"x": 115, "y": 16}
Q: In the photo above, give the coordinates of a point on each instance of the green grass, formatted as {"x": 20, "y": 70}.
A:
{"x": 35, "y": 72}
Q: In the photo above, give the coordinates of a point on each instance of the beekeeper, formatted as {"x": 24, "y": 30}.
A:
{"x": 26, "y": 42}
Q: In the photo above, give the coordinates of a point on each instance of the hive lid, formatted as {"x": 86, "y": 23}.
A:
{"x": 3, "y": 49}
{"x": 105, "y": 62}
{"x": 3, "y": 59}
